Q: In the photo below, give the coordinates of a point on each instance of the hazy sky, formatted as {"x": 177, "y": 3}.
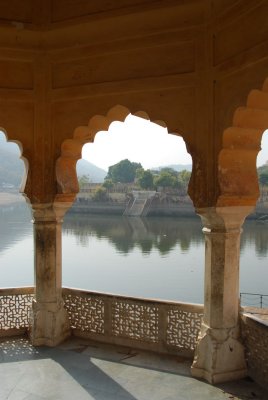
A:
{"x": 263, "y": 155}
{"x": 142, "y": 141}
{"x": 138, "y": 140}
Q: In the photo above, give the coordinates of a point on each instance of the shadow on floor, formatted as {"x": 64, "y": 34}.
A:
{"x": 104, "y": 372}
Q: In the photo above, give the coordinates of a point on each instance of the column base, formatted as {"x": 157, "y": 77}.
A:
{"x": 50, "y": 324}
{"x": 219, "y": 356}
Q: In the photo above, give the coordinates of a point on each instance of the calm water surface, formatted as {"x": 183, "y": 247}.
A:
{"x": 150, "y": 257}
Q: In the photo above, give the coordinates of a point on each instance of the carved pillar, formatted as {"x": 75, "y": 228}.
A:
{"x": 219, "y": 355}
{"x": 50, "y": 324}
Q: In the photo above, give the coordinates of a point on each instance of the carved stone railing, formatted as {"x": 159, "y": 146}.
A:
{"x": 15, "y": 307}
{"x": 162, "y": 326}
{"x": 255, "y": 338}
{"x": 166, "y": 327}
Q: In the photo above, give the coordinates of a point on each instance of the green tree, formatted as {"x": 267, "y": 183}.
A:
{"x": 108, "y": 184}
{"x": 83, "y": 181}
{"x": 124, "y": 171}
{"x": 263, "y": 178}
{"x": 165, "y": 179}
{"x": 145, "y": 178}
{"x": 185, "y": 176}
{"x": 183, "y": 180}
{"x": 100, "y": 195}
{"x": 169, "y": 170}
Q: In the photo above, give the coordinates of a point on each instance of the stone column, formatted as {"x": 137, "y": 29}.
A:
{"x": 50, "y": 324}
{"x": 220, "y": 355}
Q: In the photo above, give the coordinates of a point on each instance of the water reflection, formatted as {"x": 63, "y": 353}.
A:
{"x": 145, "y": 234}
{"x": 148, "y": 234}
{"x": 15, "y": 225}
{"x": 149, "y": 257}
{"x": 255, "y": 234}
{"x": 127, "y": 234}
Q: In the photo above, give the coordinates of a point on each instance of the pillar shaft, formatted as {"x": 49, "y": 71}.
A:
{"x": 219, "y": 355}
{"x": 221, "y": 278}
{"x": 50, "y": 324}
{"x": 47, "y": 240}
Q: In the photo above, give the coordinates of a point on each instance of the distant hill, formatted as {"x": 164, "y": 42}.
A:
{"x": 176, "y": 167}
{"x": 96, "y": 174}
{"x": 12, "y": 167}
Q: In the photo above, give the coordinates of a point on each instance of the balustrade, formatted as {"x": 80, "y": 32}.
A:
{"x": 15, "y": 307}
{"x": 148, "y": 324}
{"x": 255, "y": 338}
{"x": 161, "y": 326}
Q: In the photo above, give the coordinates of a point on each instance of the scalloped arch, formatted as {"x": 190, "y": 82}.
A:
{"x": 71, "y": 149}
{"x": 23, "y": 158}
{"x": 237, "y": 170}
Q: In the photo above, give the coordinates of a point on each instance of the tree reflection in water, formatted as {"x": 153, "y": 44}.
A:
{"x": 134, "y": 239}
{"x": 148, "y": 234}
{"x": 15, "y": 224}
{"x": 127, "y": 233}
{"x": 255, "y": 232}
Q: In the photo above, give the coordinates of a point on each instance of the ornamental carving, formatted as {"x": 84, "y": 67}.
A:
{"x": 85, "y": 313}
{"x": 135, "y": 320}
{"x": 183, "y": 328}
{"x": 15, "y": 311}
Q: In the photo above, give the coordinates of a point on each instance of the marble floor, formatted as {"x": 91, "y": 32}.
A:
{"x": 83, "y": 370}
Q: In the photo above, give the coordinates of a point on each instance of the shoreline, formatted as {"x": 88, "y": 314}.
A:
{"x": 8, "y": 199}
{"x": 167, "y": 210}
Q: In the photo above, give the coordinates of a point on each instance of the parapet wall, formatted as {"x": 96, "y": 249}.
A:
{"x": 161, "y": 326}
{"x": 255, "y": 338}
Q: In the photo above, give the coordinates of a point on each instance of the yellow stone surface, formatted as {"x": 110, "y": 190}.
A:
{"x": 69, "y": 69}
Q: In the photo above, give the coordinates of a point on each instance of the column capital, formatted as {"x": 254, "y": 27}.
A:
{"x": 53, "y": 211}
{"x": 223, "y": 219}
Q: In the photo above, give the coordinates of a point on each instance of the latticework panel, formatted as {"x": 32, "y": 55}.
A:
{"x": 135, "y": 320}
{"x": 162, "y": 326}
{"x": 15, "y": 311}
{"x": 86, "y": 313}
{"x": 183, "y": 328}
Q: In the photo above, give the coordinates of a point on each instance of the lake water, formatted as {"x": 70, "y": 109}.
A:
{"x": 150, "y": 257}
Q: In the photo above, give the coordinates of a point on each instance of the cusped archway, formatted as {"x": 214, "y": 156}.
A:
{"x": 237, "y": 171}
{"x": 71, "y": 149}
{"x": 25, "y": 184}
